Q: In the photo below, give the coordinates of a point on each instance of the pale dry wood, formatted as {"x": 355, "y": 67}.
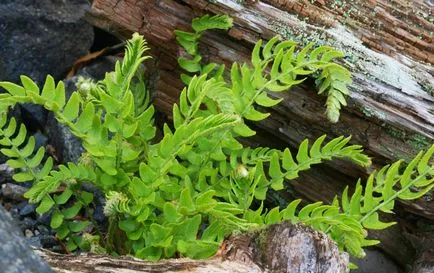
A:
{"x": 282, "y": 248}
{"x": 391, "y": 106}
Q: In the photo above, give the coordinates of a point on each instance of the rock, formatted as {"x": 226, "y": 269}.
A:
{"x": 48, "y": 241}
{"x": 99, "y": 216}
{"x": 97, "y": 69}
{"x": 44, "y": 219}
{"x": 39, "y": 38}
{"x": 34, "y": 116}
{"x": 42, "y": 37}
{"x": 27, "y": 224}
{"x": 99, "y": 202}
{"x": 27, "y": 209}
{"x": 6, "y": 172}
{"x": 16, "y": 257}
{"x": 28, "y": 233}
{"x": 14, "y": 213}
{"x": 34, "y": 242}
{"x": 43, "y": 230}
{"x": 40, "y": 140}
{"x": 375, "y": 261}
{"x": 13, "y": 192}
{"x": 68, "y": 147}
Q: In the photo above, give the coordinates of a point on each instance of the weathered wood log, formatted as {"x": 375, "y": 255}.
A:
{"x": 390, "y": 53}
{"x": 282, "y": 248}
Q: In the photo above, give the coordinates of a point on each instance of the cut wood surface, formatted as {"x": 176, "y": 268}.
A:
{"x": 389, "y": 51}
{"x": 282, "y": 248}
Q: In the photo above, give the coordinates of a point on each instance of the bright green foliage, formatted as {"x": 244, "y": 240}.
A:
{"x": 277, "y": 66}
{"x": 180, "y": 194}
{"x": 190, "y": 42}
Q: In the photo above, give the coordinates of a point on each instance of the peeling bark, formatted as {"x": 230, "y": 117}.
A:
{"x": 390, "y": 27}
{"x": 389, "y": 52}
{"x": 282, "y": 248}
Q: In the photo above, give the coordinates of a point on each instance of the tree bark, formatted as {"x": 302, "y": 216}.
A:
{"x": 282, "y": 248}
{"x": 389, "y": 51}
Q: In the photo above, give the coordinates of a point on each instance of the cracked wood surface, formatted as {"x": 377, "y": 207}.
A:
{"x": 391, "y": 105}
{"x": 388, "y": 26}
{"x": 281, "y": 248}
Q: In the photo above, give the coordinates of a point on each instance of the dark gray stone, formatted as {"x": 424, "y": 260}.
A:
{"x": 40, "y": 139}
{"x": 16, "y": 257}
{"x": 99, "y": 202}
{"x": 27, "y": 223}
{"x": 68, "y": 147}
{"x": 48, "y": 241}
{"x": 13, "y": 192}
{"x": 44, "y": 219}
{"x": 375, "y": 261}
{"x": 98, "y": 214}
{"x": 43, "y": 230}
{"x": 6, "y": 172}
{"x": 34, "y": 116}
{"x": 39, "y": 38}
{"x": 42, "y": 37}
{"x": 14, "y": 212}
{"x": 27, "y": 209}
{"x": 34, "y": 241}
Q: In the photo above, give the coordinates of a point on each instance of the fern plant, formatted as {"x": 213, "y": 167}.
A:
{"x": 181, "y": 194}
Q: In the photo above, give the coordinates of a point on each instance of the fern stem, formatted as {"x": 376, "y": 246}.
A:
{"x": 119, "y": 141}
{"x": 261, "y": 89}
{"x": 394, "y": 196}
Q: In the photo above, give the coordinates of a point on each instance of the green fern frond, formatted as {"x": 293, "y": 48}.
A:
{"x": 287, "y": 63}
{"x": 172, "y": 144}
{"x": 385, "y": 187}
{"x": 52, "y": 97}
{"x": 214, "y": 94}
{"x": 125, "y": 71}
{"x": 84, "y": 119}
{"x": 207, "y": 22}
{"x": 142, "y": 97}
{"x": 333, "y": 82}
{"x": 277, "y": 66}
{"x": 177, "y": 144}
{"x": 68, "y": 174}
{"x": 117, "y": 202}
{"x": 190, "y": 42}
{"x": 283, "y": 165}
{"x": 361, "y": 210}
{"x": 198, "y": 127}
{"x": 251, "y": 156}
{"x": 22, "y": 154}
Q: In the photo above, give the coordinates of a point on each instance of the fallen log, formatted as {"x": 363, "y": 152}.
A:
{"x": 389, "y": 52}
{"x": 282, "y": 248}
